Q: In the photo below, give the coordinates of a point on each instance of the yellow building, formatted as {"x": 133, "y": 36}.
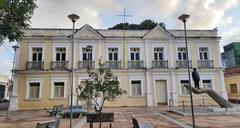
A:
{"x": 150, "y": 64}
{"x": 232, "y": 82}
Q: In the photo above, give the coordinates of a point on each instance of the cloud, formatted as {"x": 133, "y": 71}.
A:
{"x": 233, "y": 35}
{"x": 54, "y": 13}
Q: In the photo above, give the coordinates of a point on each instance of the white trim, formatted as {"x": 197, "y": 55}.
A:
{"x": 133, "y": 78}
{"x": 59, "y": 45}
{"x": 156, "y": 78}
{"x": 204, "y": 45}
{"x": 84, "y": 45}
{"x": 37, "y": 80}
{"x": 135, "y": 46}
{"x": 207, "y": 77}
{"x": 58, "y": 79}
{"x": 118, "y": 46}
{"x": 36, "y": 45}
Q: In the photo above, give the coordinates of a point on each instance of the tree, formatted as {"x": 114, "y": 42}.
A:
{"x": 145, "y": 25}
{"x": 14, "y": 16}
{"x": 102, "y": 85}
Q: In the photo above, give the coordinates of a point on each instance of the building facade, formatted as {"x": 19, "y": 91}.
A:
{"x": 4, "y": 85}
{"x": 231, "y": 55}
{"x": 150, "y": 64}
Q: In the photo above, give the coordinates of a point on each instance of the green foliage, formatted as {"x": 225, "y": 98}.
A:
{"x": 14, "y": 16}
{"x": 103, "y": 84}
{"x": 145, "y": 25}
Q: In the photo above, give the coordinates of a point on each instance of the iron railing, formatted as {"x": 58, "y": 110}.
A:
{"x": 160, "y": 64}
{"x": 113, "y": 64}
{"x": 85, "y": 64}
{"x": 59, "y": 65}
{"x": 136, "y": 64}
{"x": 183, "y": 64}
{"x": 205, "y": 63}
{"x": 36, "y": 65}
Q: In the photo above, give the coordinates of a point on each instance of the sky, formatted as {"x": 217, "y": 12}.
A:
{"x": 204, "y": 14}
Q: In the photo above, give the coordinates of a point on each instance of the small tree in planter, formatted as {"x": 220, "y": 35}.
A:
{"x": 102, "y": 85}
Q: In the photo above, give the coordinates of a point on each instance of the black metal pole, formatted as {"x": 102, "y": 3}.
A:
{"x": 189, "y": 78}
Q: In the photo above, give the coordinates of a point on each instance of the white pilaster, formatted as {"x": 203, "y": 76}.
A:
{"x": 219, "y": 55}
{"x": 147, "y": 57}
{"x": 148, "y": 92}
{"x": 14, "y": 96}
{"x": 223, "y": 91}
{"x": 174, "y": 88}
{"x": 171, "y": 59}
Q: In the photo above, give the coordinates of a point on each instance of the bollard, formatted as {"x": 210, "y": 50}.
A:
{"x": 203, "y": 102}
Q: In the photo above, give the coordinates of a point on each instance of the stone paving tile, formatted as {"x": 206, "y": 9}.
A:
{"x": 28, "y": 119}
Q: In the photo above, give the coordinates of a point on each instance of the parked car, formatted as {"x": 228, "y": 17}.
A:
{"x": 77, "y": 111}
{"x": 4, "y": 103}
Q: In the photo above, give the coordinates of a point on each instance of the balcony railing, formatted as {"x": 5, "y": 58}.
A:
{"x": 37, "y": 65}
{"x": 160, "y": 64}
{"x": 205, "y": 63}
{"x": 59, "y": 65}
{"x": 183, "y": 64}
{"x": 113, "y": 64}
{"x": 136, "y": 64}
{"x": 85, "y": 64}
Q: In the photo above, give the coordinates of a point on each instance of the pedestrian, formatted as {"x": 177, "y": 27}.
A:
{"x": 196, "y": 78}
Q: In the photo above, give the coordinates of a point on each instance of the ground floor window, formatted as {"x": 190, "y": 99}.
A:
{"x": 58, "y": 89}
{"x": 207, "y": 84}
{"x": 34, "y": 90}
{"x": 136, "y": 88}
{"x": 184, "y": 90}
{"x": 233, "y": 88}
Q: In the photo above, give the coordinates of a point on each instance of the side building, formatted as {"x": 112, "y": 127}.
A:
{"x": 231, "y": 55}
{"x": 150, "y": 64}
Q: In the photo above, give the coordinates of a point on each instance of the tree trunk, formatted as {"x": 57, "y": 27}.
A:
{"x": 100, "y": 125}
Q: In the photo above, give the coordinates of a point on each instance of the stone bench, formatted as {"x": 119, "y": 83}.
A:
{"x": 95, "y": 117}
{"x": 136, "y": 124}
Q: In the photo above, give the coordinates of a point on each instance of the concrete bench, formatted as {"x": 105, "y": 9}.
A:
{"x": 136, "y": 124}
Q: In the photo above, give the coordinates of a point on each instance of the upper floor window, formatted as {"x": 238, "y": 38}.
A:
{"x": 158, "y": 53}
{"x": 182, "y": 53}
{"x": 184, "y": 90}
{"x": 203, "y": 53}
{"x": 87, "y": 54}
{"x": 233, "y": 88}
{"x": 135, "y": 53}
{"x": 112, "y": 54}
{"x": 207, "y": 84}
{"x": 36, "y": 54}
{"x": 60, "y": 54}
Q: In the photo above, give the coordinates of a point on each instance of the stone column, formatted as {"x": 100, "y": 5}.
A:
{"x": 14, "y": 96}
{"x": 223, "y": 91}
{"x": 174, "y": 96}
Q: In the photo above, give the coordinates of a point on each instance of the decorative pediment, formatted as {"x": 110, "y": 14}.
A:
{"x": 158, "y": 33}
{"x": 87, "y": 32}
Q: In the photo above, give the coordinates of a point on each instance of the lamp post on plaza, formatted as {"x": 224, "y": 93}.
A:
{"x": 89, "y": 49}
{"x": 15, "y": 48}
{"x": 184, "y": 18}
{"x": 73, "y": 18}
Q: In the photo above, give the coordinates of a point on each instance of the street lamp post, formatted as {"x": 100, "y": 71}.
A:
{"x": 73, "y": 18}
{"x": 184, "y": 18}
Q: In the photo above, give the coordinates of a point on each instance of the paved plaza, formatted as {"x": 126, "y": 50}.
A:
{"x": 159, "y": 117}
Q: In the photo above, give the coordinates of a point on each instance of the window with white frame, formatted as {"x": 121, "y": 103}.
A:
{"x": 58, "y": 89}
{"x": 207, "y": 84}
{"x": 233, "y": 88}
{"x": 184, "y": 90}
{"x": 112, "y": 54}
{"x": 158, "y": 54}
{"x": 34, "y": 90}
{"x": 87, "y": 54}
{"x": 36, "y": 54}
{"x": 182, "y": 53}
{"x": 136, "y": 88}
{"x": 134, "y": 54}
{"x": 60, "y": 54}
{"x": 203, "y": 53}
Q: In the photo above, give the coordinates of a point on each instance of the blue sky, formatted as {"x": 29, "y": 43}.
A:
{"x": 205, "y": 14}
